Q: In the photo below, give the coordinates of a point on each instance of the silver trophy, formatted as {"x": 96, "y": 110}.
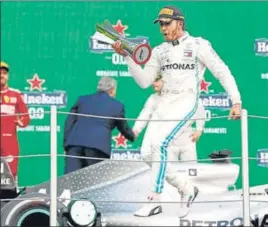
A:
{"x": 139, "y": 50}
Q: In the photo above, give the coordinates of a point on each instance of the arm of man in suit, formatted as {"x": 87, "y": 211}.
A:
{"x": 70, "y": 121}
{"x": 123, "y": 126}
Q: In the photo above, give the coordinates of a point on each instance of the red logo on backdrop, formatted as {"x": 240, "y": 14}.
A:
{"x": 36, "y": 83}
{"x": 120, "y": 28}
{"x": 204, "y": 85}
{"x": 120, "y": 141}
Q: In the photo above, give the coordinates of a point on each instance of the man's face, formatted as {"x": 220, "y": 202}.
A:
{"x": 170, "y": 28}
{"x": 157, "y": 85}
{"x": 4, "y": 76}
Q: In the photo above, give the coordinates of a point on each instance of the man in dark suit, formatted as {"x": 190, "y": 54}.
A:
{"x": 91, "y": 136}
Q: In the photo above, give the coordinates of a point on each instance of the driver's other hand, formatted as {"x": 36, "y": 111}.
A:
{"x": 235, "y": 112}
{"x": 196, "y": 135}
{"x": 117, "y": 46}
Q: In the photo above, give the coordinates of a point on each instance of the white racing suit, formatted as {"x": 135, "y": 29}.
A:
{"x": 182, "y": 67}
{"x": 182, "y": 146}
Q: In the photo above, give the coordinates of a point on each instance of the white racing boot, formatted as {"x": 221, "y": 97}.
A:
{"x": 152, "y": 207}
{"x": 186, "y": 201}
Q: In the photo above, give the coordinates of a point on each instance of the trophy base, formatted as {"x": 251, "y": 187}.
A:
{"x": 142, "y": 54}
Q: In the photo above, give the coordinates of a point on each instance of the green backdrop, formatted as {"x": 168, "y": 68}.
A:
{"x": 51, "y": 42}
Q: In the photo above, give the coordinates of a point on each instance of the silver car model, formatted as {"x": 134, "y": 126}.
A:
{"x": 108, "y": 193}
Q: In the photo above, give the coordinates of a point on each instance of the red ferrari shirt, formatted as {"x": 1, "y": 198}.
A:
{"x": 11, "y": 102}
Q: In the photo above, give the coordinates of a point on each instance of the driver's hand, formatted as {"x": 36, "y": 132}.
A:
{"x": 196, "y": 135}
{"x": 117, "y": 46}
{"x": 235, "y": 112}
{"x": 19, "y": 122}
{"x": 135, "y": 133}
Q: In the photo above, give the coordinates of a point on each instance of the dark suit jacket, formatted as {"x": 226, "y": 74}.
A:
{"x": 95, "y": 132}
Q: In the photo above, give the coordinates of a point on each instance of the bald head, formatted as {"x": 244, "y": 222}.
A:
{"x": 108, "y": 85}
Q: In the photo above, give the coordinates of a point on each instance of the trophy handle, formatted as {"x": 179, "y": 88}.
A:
{"x": 114, "y": 36}
{"x": 108, "y": 24}
{"x": 139, "y": 51}
{"x": 109, "y": 34}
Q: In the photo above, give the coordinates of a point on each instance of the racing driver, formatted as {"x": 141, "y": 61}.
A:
{"x": 12, "y": 103}
{"x": 182, "y": 60}
{"x": 184, "y": 146}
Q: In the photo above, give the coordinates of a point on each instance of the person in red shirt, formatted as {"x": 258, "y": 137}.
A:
{"x": 11, "y": 103}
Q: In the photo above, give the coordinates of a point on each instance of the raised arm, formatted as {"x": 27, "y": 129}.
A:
{"x": 144, "y": 77}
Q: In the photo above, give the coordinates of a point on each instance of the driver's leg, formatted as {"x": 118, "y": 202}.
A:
{"x": 163, "y": 135}
{"x": 188, "y": 153}
{"x": 149, "y": 208}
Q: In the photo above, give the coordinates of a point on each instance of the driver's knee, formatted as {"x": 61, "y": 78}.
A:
{"x": 171, "y": 178}
{"x": 147, "y": 157}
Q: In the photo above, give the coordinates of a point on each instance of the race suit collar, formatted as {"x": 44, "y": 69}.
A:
{"x": 181, "y": 39}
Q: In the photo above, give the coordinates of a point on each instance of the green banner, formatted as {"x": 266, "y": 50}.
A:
{"x": 54, "y": 59}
